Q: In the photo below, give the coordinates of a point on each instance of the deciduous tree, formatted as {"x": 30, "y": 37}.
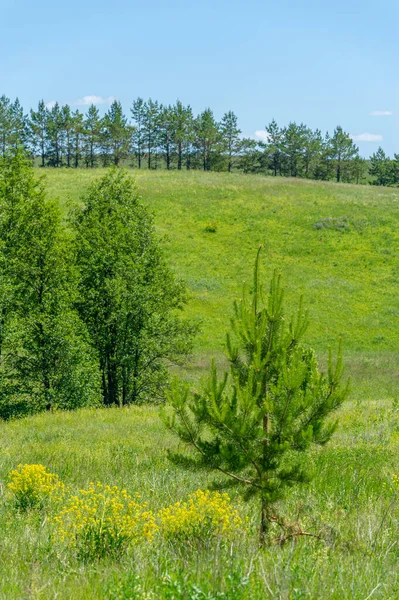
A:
{"x": 128, "y": 296}
{"x": 46, "y": 359}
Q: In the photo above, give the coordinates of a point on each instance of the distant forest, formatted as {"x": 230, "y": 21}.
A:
{"x": 155, "y": 136}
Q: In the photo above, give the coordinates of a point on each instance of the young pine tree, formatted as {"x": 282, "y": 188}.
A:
{"x": 380, "y": 168}
{"x": 256, "y": 424}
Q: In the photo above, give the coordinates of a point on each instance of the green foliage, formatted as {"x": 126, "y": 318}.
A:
{"x": 138, "y": 114}
{"x": 128, "y": 297}
{"x": 151, "y": 123}
{"x": 115, "y": 134}
{"x": 46, "y": 361}
{"x": 230, "y": 137}
{"x": 258, "y": 430}
{"x": 384, "y": 170}
{"x": 92, "y": 133}
{"x": 207, "y": 138}
{"x": 169, "y": 136}
{"x": 341, "y": 149}
{"x": 38, "y": 131}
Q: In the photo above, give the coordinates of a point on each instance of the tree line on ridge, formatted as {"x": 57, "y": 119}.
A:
{"x": 172, "y": 137}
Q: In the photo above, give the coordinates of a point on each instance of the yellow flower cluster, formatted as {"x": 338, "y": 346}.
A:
{"x": 33, "y": 485}
{"x": 206, "y": 514}
{"x": 102, "y": 521}
{"x": 105, "y": 521}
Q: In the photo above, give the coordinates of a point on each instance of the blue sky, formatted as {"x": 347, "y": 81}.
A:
{"x": 318, "y": 62}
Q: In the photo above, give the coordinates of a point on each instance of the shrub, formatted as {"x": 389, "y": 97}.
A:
{"x": 102, "y": 521}
{"x": 32, "y": 486}
{"x": 205, "y": 515}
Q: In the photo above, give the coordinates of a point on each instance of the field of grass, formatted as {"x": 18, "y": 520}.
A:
{"x": 335, "y": 244}
{"x": 338, "y": 246}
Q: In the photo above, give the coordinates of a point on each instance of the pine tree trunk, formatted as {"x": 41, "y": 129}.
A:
{"x": 179, "y": 160}
{"x": 264, "y": 518}
{"x": 167, "y": 157}
{"x": 264, "y": 522}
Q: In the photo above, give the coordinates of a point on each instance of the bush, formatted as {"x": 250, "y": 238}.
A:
{"x": 204, "y": 516}
{"x": 102, "y": 521}
{"x": 32, "y": 486}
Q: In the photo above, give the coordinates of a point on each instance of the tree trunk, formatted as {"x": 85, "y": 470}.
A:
{"x": 167, "y": 157}
{"x": 179, "y": 160}
{"x": 264, "y": 522}
{"x": 112, "y": 384}
{"x": 339, "y": 168}
{"x": 264, "y": 517}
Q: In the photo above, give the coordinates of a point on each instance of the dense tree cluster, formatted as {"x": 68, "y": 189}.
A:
{"x": 384, "y": 169}
{"x": 157, "y": 136}
{"x": 88, "y": 312}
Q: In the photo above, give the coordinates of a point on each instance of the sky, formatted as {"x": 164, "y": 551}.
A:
{"x": 320, "y": 63}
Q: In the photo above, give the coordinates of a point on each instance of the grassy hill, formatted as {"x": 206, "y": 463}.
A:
{"x": 336, "y": 244}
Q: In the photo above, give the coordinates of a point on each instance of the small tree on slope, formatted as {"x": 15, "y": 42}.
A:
{"x": 256, "y": 424}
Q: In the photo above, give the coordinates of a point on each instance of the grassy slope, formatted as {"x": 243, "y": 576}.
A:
{"x": 349, "y": 282}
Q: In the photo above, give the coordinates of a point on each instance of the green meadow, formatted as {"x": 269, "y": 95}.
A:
{"x": 335, "y": 244}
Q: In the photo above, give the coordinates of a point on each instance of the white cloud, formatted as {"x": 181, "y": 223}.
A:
{"x": 367, "y": 137}
{"x": 261, "y": 135}
{"x": 380, "y": 113}
{"x": 51, "y": 104}
{"x": 88, "y": 100}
